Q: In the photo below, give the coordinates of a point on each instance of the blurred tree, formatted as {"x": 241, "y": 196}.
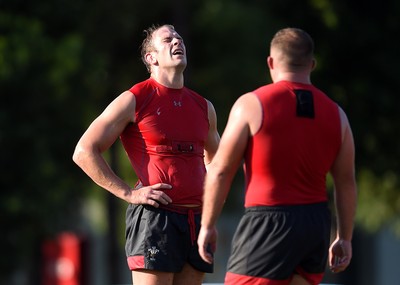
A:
{"x": 37, "y": 75}
{"x": 359, "y": 65}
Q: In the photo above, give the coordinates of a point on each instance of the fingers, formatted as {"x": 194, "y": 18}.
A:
{"x": 340, "y": 256}
{"x": 206, "y": 255}
{"x": 152, "y": 195}
{"x": 160, "y": 196}
{"x": 206, "y": 244}
{"x": 161, "y": 186}
{"x": 339, "y": 264}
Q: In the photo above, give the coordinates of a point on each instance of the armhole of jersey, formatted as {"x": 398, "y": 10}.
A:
{"x": 200, "y": 100}
{"x": 142, "y": 103}
{"x": 262, "y": 119}
{"x": 342, "y": 123}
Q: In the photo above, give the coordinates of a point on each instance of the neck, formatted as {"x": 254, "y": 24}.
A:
{"x": 292, "y": 77}
{"x": 172, "y": 79}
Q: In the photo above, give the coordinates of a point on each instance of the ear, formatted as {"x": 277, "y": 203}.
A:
{"x": 270, "y": 62}
{"x": 150, "y": 58}
{"x": 313, "y": 64}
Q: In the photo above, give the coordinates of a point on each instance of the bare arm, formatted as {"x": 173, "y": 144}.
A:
{"x": 343, "y": 174}
{"x": 98, "y": 138}
{"x": 242, "y": 120}
{"x": 213, "y": 138}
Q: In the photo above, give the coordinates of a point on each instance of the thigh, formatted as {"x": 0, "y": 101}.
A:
{"x": 299, "y": 280}
{"x": 152, "y": 277}
{"x": 188, "y": 275}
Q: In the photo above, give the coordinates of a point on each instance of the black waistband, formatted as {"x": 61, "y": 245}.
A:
{"x": 286, "y": 208}
{"x": 181, "y": 209}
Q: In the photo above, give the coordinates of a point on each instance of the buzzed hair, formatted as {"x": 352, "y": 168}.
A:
{"x": 147, "y": 44}
{"x": 296, "y": 47}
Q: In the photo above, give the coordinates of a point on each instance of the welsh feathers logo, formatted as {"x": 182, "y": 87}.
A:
{"x": 153, "y": 252}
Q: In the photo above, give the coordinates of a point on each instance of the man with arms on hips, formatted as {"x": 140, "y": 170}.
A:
{"x": 290, "y": 135}
{"x": 169, "y": 133}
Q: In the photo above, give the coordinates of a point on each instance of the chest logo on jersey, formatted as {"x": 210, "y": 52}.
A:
{"x": 177, "y": 103}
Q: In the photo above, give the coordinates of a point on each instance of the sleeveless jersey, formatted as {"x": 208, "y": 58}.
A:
{"x": 287, "y": 160}
{"x": 166, "y": 142}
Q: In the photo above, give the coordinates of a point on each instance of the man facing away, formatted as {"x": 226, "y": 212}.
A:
{"x": 290, "y": 135}
{"x": 169, "y": 133}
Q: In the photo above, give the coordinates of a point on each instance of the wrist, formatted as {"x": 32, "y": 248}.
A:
{"x": 128, "y": 195}
{"x": 343, "y": 240}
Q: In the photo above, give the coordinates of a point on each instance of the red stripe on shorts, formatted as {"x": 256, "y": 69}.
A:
{"x": 136, "y": 262}
{"x": 312, "y": 278}
{"x": 238, "y": 279}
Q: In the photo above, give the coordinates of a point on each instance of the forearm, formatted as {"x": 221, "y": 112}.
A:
{"x": 346, "y": 202}
{"x": 96, "y": 167}
{"x": 215, "y": 193}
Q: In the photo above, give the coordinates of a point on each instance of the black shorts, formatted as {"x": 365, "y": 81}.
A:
{"x": 163, "y": 239}
{"x": 273, "y": 243}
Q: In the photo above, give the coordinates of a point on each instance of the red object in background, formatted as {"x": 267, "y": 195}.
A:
{"x": 62, "y": 260}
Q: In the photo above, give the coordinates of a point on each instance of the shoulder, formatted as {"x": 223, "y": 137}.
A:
{"x": 142, "y": 84}
{"x": 269, "y": 88}
{"x": 143, "y": 92}
{"x": 125, "y": 99}
{"x": 344, "y": 122}
{"x": 212, "y": 114}
{"x": 143, "y": 87}
{"x": 200, "y": 100}
{"x": 210, "y": 106}
{"x": 194, "y": 94}
{"x": 122, "y": 106}
{"x": 247, "y": 110}
{"x": 246, "y": 107}
{"x": 247, "y": 102}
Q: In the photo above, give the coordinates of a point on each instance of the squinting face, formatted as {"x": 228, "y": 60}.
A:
{"x": 170, "y": 51}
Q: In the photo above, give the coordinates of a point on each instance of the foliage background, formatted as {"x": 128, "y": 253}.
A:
{"x": 62, "y": 62}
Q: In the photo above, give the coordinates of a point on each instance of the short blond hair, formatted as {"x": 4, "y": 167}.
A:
{"x": 296, "y": 47}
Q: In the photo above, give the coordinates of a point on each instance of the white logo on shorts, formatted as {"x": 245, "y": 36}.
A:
{"x": 152, "y": 253}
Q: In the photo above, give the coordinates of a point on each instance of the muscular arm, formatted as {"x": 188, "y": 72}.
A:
{"x": 213, "y": 138}
{"x": 243, "y": 121}
{"x": 343, "y": 174}
{"x": 98, "y": 138}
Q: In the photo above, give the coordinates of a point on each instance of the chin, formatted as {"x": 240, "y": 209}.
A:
{"x": 182, "y": 65}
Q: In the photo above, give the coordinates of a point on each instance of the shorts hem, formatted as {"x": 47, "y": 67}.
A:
{"x": 138, "y": 262}
{"x": 239, "y": 279}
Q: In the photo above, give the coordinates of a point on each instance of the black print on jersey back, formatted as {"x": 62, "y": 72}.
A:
{"x": 305, "y": 103}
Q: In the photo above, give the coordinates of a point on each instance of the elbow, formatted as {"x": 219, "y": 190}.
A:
{"x": 221, "y": 175}
{"x": 222, "y": 169}
{"x": 77, "y": 156}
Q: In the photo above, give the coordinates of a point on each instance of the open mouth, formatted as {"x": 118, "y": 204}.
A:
{"x": 178, "y": 52}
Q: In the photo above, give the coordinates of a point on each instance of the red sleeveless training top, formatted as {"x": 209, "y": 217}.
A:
{"x": 287, "y": 161}
{"x": 166, "y": 142}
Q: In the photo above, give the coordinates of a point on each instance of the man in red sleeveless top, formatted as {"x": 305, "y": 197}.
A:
{"x": 169, "y": 133}
{"x": 290, "y": 135}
